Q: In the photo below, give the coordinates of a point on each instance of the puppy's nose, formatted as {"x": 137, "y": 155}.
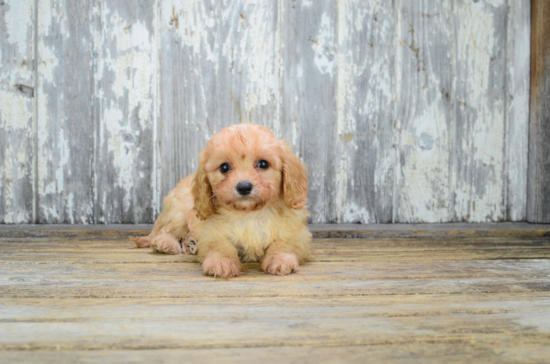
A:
{"x": 244, "y": 188}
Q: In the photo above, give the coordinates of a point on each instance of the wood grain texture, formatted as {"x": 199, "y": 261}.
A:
{"x": 518, "y": 66}
{"x": 538, "y": 205}
{"x": 220, "y": 66}
{"x": 410, "y": 352}
{"x": 125, "y": 107}
{"x": 403, "y": 111}
{"x": 390, "y": 300}
{"x": 480, "y": 131}
{"x": 65, "y": 130}
{"x": 360, "y": 187}
{"x": 310, "y": 107}
{"x": 424, "y": 112}
{"x": 17, "y": 28}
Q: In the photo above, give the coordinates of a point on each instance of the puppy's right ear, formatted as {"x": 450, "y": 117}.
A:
{"x": 202, "y": 192}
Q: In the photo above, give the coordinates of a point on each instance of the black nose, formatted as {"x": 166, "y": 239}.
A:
{"x": 244, "y": 188}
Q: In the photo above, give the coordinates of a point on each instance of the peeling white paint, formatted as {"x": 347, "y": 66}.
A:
{"x": 480, "y": 198}
{"x": 325, "y": 54}
{"x": 120, "y": 142}
{"x": 345, "y": 123}
{"x": 16, "y": 111}
{"x": 425, "y": 174}
{"x": 232, "y": 57}
{"x": 518, "y": 66}
{"x": 19, "y": 17}
{"x": 47, "y": 64}
{"x": 127, "y": 72}
{"x": 354, "y": 214}
{"x": 14, "y": 114}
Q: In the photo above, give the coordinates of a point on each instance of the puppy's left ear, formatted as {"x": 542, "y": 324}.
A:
{"x": 202, "y": 192}
{"x": 294, "y": 179}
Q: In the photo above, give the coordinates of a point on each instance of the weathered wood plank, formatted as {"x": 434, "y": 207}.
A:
{"x": 374, "y": 267}
{"x": 310, "y": 107}
{"x": 227, "y": 308}
{"x": 69, "y": 244}
{"x": 220, "y": 65}
{"x": 518, "y": 73}
{"x": 479, "y": 173}
{"x": 85, "y": 251}
{"x": 29, "y": 275}
{"x": 538, "y": 188}
{"x": 17, "y": 28}
{"x": 424, "y": 111}
{"x": 460, "y": 308}
{"x": 360, "y": 185}
{"x": 425, "y": 99}
{"x": 405, "y": 352}
{"x": 267, "y": 325}
{"x": 125, "y": 103}
{"x": 65, "y": 131}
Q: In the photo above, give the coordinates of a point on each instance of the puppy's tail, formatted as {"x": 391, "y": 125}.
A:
{"x": 141, "y": 241}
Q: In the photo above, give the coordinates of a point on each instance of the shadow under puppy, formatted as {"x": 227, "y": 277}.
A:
{"x": 246, "y": 202}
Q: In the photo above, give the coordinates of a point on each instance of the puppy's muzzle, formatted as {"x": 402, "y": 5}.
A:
{"x": 244, "y": 188}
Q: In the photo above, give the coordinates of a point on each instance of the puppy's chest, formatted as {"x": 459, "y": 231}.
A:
{"x": 251, "y": 237}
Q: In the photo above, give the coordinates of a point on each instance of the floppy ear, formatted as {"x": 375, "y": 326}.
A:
{"x": 202, "y": 193}
{"x": 294, "y": 179}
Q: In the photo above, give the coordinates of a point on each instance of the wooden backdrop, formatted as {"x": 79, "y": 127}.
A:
{"x": 404, "y": 110}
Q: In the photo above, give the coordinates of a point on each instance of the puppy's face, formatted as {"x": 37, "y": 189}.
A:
{"x": 244, "y": 167}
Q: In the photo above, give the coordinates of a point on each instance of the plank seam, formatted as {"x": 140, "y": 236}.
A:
{"x": 507, "y": 97}
{"x": 35, "y": 118}
{"x": 96, "y": 117}
{"x": 157, "y": 112}
{"x": 487, "y": 338}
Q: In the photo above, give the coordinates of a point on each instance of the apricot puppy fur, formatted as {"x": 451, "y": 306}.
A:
{"x": 245, "y": 203}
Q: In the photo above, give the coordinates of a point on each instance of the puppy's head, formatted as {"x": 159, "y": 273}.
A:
{"x": 244, "y": 167}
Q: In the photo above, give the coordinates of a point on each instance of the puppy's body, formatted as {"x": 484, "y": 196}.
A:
{"x": 267, "y": 223}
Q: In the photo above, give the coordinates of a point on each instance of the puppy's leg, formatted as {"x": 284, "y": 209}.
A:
{"x": 165, "y": 242}
{"x": 284, "y": 257}
{"x": 142, "y": 241}
{"x": 221, "y": 260}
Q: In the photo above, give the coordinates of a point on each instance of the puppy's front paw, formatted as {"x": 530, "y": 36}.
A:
{"x": 166, "y": 243}
{"x": 280, "y": 264}
{"x": 217, "y": 265}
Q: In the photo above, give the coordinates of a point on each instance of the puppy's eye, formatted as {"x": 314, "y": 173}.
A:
{"x": 263, "y": 164}
{"x": 224, "y": 168}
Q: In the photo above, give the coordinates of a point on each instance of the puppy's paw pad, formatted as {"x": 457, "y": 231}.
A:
{"x": 217, "y": 265}
{"x": 280, "y": 264}
{"x": 189, "y": 245}
{"x": 166, "y": 244}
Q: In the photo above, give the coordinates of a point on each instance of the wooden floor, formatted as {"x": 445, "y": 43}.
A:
{"x": 90, "y": 296}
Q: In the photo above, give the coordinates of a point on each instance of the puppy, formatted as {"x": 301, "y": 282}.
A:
{"x": 245, "y": 203}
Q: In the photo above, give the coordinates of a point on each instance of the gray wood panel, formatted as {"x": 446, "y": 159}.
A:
{"x": 16, "y": 110}
{"x": 480, "y": 106}
{"x": 360, "y": 187}
{"x": 518, "y": 67}
{"x": 310, "y": 106}
{"x": 65, "y": 128}
{"x": 220, "y": 65}
{"x": 125, "y": 105}
{"x": 424, "y": 116}
{"x": 404, "y": 111}
{"x": 538, "y": 208}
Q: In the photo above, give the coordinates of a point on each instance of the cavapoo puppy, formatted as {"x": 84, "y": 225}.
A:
{"x": 245, "y": 203}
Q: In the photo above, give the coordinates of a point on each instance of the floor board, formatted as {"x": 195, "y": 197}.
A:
{"x": 88, "y": 298}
